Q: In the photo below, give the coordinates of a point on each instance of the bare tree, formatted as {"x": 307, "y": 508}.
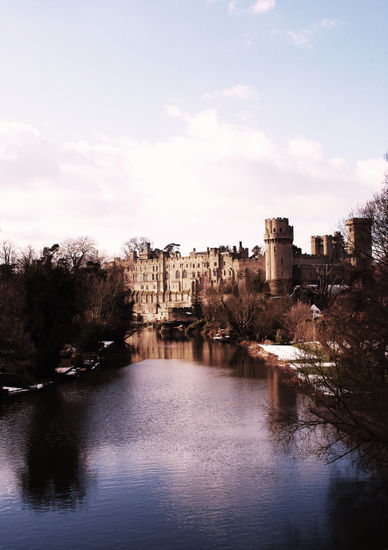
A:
{"x": 297, "y": 322}
{"x": 8, "y": 257}
{"x": 377, "y": 211}
{"x": 135, "y": 244}
{"x": 27, "y": 257}
{"x": 78, "y": 252}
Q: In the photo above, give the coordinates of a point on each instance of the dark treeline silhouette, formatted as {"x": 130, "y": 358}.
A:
{"x": 65, "y": 295}
{"x": 346, "y": 376}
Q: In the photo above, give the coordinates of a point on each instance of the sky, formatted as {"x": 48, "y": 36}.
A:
{"x": 188, "y": 121}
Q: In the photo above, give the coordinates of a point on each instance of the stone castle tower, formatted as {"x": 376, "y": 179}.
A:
{"x": 279, "y": 258}
{"x": 359, "y": 245}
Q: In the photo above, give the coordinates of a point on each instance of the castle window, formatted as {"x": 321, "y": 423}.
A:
{"x": 184, "y": 274}
{"x": 215, "y": 263}
{"x": 177, "y": 275}
{"x": 198, "y": 274}
{"x": 156, "y": 276}
{"x": 193, "y": 274}
{"x": 145, "y": 277}
{"x": 153, "y": 277}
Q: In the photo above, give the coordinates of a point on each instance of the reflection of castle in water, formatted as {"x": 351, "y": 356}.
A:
{"x": 150, "y": 345}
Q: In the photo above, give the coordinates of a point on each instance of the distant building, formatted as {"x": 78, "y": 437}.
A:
{"x": 164, "y": 287}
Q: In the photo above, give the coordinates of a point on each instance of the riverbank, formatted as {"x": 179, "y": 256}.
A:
{"x": 17, "y": 379}
{"x": 279, "y": 355}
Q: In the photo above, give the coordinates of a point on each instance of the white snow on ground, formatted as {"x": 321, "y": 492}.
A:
{"x": 284, "y": 353}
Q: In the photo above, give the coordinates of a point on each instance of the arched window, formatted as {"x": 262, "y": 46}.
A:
{"x": 193, "y": 274}
{"x": 145, "y": 278}
{"x": 177, "y": 275}
{"x": 184, "y": 274}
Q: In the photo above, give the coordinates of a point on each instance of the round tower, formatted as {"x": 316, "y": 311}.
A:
{"x": 359, "y": 245}
{"x": 279, "y": 258}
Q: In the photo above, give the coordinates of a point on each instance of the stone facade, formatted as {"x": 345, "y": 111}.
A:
{"x": 161, "y": 284}
{"x": 165, "y": 286}
{"x": 287, "y": 266}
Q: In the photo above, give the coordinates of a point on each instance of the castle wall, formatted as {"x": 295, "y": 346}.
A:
{"x": 160, "y": 283}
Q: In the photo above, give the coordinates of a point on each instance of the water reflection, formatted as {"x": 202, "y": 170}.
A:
{"x": 172, "y": 452}
{"x": 56, "y": 472}
{"x": 357, "y": 514}
{"x": 151, "y": 345}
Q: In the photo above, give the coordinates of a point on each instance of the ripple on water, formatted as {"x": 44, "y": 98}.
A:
{"x": 169, "y": 453}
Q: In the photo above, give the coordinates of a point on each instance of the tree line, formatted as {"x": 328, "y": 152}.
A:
{"x": 63, "y": 295}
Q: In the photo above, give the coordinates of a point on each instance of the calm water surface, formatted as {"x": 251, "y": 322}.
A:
{"x": 174, "y": 451}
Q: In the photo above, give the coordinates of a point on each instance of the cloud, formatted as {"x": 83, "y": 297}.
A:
{"x": 329, "y": 24}
{"x": 174, "y": 112}
{"x": 214, "y": 182}
{"x": 240, "y": 92}
{"x": 304, "y": 37}
{"x": 258, "y": 7}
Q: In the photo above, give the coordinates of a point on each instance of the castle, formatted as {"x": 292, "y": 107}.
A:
{"x": 163, "y": 286}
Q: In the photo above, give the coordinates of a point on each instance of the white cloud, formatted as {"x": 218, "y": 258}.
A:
{"x": 304, "y": 37}
{"x": 306, "y": 149}
{"x": 260, "y": 6}
{"x": 174, "y": 111}
{"x": 213, "y": 183}
{"x": 371, "y": 169}
{"x": 241, "y": 92}
{"x": 329, "y": 23}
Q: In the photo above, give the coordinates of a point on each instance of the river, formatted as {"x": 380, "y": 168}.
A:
{"x": 174, "y": 451}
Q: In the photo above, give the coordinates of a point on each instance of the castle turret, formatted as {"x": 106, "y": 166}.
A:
{"x": 278, "y": 238}
{"x": 359, "y": 245}
{"x": 316, "y": 245}
{"x": 328, "y": 245}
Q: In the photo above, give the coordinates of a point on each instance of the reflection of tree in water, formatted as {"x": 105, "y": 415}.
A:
{"x": 56, "y": 474}
{"x": 245, "y": 365}
{"x": 197, "y": 348}
{"x": 357, "y": 514}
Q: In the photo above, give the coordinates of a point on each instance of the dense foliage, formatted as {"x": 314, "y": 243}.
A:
{"x": 64, "y": 296}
